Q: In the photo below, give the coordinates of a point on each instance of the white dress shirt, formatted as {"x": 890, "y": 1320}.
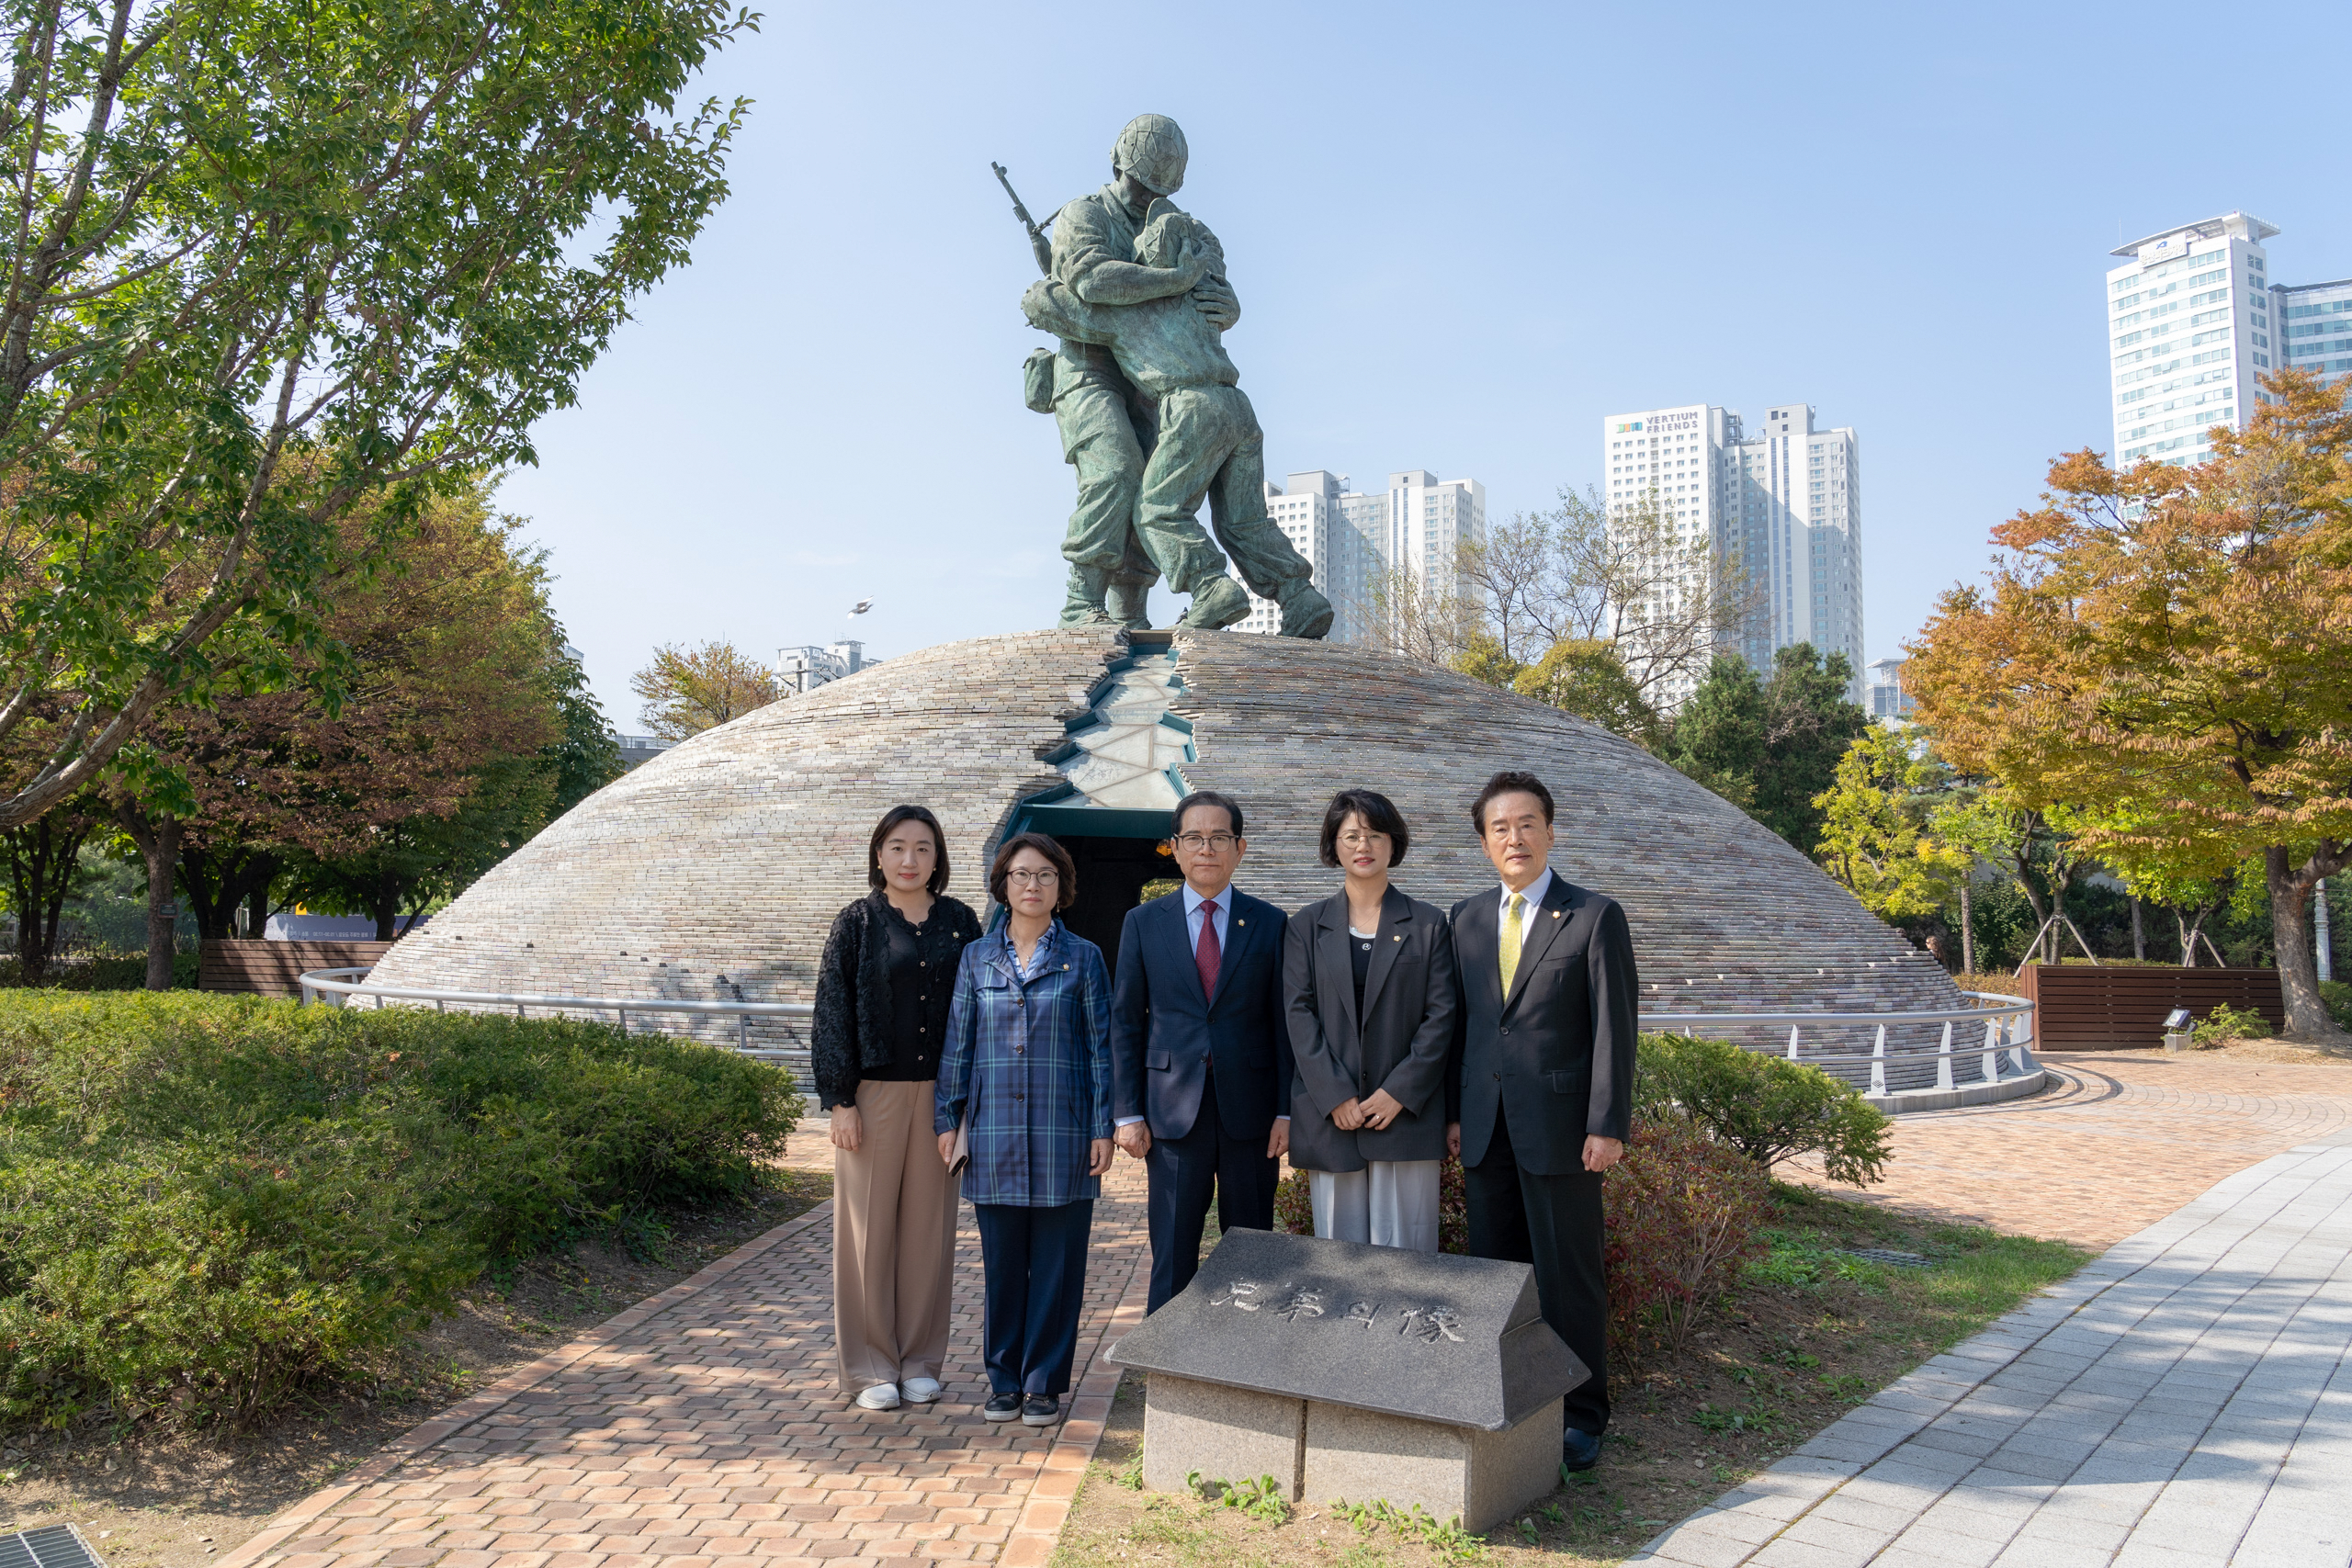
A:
{"x": 1194, "y": 904}
{"x": 1534, "y": 893}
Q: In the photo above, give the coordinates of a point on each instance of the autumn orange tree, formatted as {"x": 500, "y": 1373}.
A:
{"x": 445, "y": 713}
{"x": 2168, "y": 651}
{"x": 689, "y": 690}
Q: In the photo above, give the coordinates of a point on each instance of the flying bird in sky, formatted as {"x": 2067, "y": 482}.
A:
{"x": 862, "y": 606}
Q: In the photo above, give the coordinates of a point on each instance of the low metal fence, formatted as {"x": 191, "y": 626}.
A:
{"x": 1959, "y": 1058}
{"x": 2005, "y": 1023}
{"x": 343, "y": 985}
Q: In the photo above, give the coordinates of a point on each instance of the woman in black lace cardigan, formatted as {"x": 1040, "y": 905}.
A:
{"x": 883, "y": 989}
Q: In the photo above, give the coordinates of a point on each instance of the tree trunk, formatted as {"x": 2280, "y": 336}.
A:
{"x": 1967, "y": 926}
{"x": 257, "y": 911}
{"x": 162, "y": 853}
{"x": 2139, "y": 934}
{"x": 2291, "y": 931}
{"x": 2325, "y": 933}
{"x": 384, "y": 904}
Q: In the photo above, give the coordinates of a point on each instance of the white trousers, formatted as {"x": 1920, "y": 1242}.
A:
{"x": 1389, "y": 1203}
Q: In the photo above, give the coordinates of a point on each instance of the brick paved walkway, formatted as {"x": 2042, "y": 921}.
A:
{"x": 705, "y": 1424}
{"x": 2186, "y": 1402}
{"x": 2125, "y": 1139}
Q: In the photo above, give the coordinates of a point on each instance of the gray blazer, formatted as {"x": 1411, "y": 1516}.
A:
{"x": 1400, "y": 1044}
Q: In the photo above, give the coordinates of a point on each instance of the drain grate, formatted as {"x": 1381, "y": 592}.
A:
{"x": 1867, "y": 1254}
{"x": 51, "y": 1546}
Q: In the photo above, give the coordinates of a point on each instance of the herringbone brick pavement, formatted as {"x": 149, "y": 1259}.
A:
{"x": 2123, "y": 1139}
{"x": 704, "y": 1426}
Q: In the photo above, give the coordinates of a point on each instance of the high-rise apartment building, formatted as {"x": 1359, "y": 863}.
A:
{"x": 1782, "y": 506}
{"x": 2188, "y": 327}
{"x": 1353, "y": 540}
{"x": 2315, "y": 327}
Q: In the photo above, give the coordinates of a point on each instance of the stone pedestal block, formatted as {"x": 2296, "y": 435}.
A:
{"x": 1226, "y": 1434}
{"x": 1484, "y": 1478}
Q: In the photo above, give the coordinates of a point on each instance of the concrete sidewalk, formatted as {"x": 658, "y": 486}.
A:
{"x": 2185, "y": 1401}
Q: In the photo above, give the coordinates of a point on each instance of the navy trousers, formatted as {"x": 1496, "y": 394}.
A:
{"x": 1182, "y": 1173}
{"x": 1034, "y": 1261}
{"x": 1553, "y": 1222}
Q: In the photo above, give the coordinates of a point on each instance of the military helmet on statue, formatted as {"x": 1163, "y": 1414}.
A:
{"x": 1152, "y": 150}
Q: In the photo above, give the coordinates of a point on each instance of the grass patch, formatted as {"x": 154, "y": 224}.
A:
{"x": 1806, "y": 1335}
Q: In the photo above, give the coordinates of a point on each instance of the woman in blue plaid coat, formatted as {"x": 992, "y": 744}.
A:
{"x": 1028, "y": 1055}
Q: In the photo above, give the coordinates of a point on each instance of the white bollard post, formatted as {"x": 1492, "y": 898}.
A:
{"x": 1992, "y": 1057}
{"x": 1878, "y": 1062}
{"x": 1792, "y": 1041}
{"x": 1943, "y": 1059}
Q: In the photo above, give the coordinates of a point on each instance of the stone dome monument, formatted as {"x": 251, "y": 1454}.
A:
{"x": 713, "y": 872}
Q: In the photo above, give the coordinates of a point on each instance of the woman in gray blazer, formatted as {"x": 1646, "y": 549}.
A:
{"x": 1369, "y": 982}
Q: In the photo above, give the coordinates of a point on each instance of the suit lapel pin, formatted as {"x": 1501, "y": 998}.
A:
{"x": 1555, "y": 915}
{"x": 1240, "y": 922}
{"x": 1396, "y": 939}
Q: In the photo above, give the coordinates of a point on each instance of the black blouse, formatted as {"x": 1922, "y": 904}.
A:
{"x": 1359, "y": 960}
{"x": 920, "y": 967}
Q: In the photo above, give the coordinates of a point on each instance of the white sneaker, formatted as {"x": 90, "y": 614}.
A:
{"x": 881, "y": 1396}
{"x": 920, "y": 1391}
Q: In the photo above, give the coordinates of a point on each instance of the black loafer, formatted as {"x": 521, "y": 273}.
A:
{"x": 1002, "y": 1406}
{"x": 1041, "y": 1410}
{"x": 1579, "y": 1450}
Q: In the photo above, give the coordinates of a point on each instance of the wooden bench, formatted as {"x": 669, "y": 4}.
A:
{"x": 275, "y": 968}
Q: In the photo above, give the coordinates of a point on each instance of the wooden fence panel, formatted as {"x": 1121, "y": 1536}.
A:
{"x": 275, "y": 968}
{"x": 2079, "y": 1007}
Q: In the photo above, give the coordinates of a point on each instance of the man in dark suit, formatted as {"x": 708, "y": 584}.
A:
{"x": 1200, "y": 1062}
{"x": 1544, "y": 1066}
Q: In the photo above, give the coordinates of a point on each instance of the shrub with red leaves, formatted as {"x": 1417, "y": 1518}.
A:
{"x": 1682, "y": 1212}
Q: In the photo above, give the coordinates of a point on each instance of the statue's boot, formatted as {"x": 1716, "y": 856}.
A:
{"x": 1083, "y": 606}
{"x": 1305, "y": 613}
{"x": 1219, "y": 602}
{"x": 1128, "y": 602}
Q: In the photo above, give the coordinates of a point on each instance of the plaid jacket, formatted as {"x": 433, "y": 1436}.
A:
{"x": 1035, "y": 1058}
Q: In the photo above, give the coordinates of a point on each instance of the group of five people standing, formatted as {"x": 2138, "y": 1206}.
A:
{"x": 1366, "y": 1036}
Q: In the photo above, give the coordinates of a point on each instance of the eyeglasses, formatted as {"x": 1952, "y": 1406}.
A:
{"x": 1216, "y": 843}
{"x": 1361, "y": 840}
{"x": 1033, "y": 878}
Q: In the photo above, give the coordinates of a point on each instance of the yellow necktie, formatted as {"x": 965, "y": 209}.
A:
{"x": 1512, "y": 907}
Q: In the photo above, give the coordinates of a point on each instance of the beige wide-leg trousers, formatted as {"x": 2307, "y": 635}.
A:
{"x": 893, "y": 1241}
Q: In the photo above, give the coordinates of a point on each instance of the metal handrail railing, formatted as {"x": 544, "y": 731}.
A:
{"x": 2009, "y": 1031}
{"x": 320, "y": 983}
{"x": 2001, "y": 1016}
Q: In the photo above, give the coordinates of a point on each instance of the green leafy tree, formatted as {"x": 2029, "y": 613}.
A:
{"x": 264, "y": 258}
{"x": 1770, "y": 746}
{"x": 1586, "y": 677}
{"x": 1767, "y": 1107}
{"x": 1875, "y": 831}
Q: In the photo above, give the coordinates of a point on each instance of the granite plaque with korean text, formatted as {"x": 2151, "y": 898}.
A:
{"x": 1425, "y": 1335}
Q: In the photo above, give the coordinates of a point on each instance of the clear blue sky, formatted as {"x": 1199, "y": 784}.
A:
{"x": 1460, "y": 233}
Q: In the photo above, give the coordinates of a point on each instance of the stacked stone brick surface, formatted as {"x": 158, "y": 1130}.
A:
{"x": 714, "y": 871}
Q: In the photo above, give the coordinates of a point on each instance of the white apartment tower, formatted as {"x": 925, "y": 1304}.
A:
{"x": 2315, "y": 327}
{"x": 1783, "y": 506}
{"x": 1353, "y": 540}
{"x": 2188, "y": 328}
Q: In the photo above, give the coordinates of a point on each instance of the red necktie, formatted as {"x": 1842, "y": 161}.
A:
{"x": 1208, "y": 953}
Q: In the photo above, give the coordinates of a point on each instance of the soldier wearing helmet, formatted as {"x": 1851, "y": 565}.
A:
{"x": 1110, "y": 431}
{"x": 1107, "y": 428}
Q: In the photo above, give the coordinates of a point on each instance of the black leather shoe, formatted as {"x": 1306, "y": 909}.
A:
{"x": 1579, "y": 1450}
{"x": 1041, "y": 1410}
{"x": 1002, "y": 1406}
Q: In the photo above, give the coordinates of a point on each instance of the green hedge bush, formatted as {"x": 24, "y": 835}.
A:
{"x": 207, "y": 1200}
{"x": 1767, "y": 1107}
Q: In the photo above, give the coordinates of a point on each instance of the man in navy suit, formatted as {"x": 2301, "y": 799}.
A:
{"x": 1200, "y": 1061}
